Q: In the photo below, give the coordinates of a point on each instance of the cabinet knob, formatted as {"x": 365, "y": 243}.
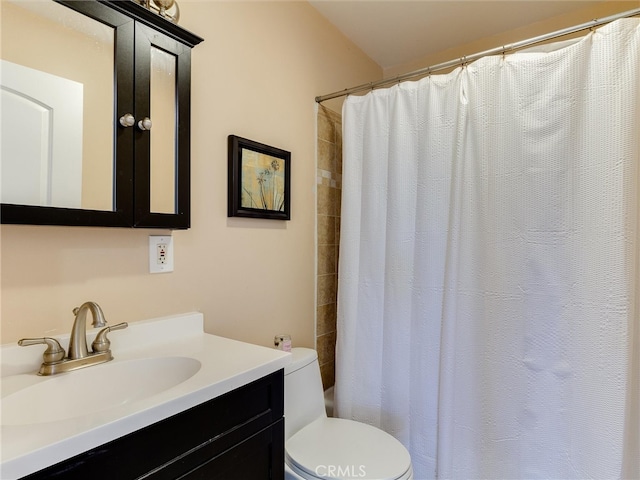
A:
{"x": 145, "y": 124}
{"x": 127, "y": 120}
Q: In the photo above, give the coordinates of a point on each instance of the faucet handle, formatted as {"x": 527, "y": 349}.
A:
{"x": 102, "y": 343}
{"x": 54, "y": 352}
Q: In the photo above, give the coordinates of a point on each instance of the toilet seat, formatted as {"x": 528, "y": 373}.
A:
{"x": 331, "y": 448}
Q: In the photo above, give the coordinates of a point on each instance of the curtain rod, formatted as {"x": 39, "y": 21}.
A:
{"x": 467, "y": 59}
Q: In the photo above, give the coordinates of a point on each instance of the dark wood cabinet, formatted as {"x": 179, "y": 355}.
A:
{"x": 137, "y": 32}
{"x": 239, "y": 435}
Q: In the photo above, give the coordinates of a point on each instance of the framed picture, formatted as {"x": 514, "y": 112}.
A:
{"x": 259, "y": 180}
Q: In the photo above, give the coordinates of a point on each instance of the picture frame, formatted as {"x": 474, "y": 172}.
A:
{"x": 259, "y": 180}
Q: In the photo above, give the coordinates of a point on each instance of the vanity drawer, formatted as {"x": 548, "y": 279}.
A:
{"x": 222, "y": 431}
{"x": 255, "y": 457}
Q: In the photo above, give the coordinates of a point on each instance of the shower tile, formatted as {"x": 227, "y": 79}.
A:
{"x": 329, "y": 192}
{"x": 326, "y": 156}
{"x": 336, "y": 200}
{"x": 326, "y": 126}
{"x": 326, "y": 346}
{"x": 327, "y": 289}
{"x": 338, "y": 153}
{"x": 327, "y": 200}
{"x": 326, "y": 315}
{"x": 328, "y": 374}
{"x": 326, "y": 259}
{"x": 326, "y": 229}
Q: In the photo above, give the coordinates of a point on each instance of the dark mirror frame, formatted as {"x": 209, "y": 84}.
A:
{"x": 131, "y": 175}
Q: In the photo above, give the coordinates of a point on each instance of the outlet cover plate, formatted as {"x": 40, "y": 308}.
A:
{"x": 160, "y": 253}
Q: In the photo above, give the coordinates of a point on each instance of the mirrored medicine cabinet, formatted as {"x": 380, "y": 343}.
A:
{"x": 95, "y": 115}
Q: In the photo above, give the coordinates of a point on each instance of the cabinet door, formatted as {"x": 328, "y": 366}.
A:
{"x": 162, "y": 164}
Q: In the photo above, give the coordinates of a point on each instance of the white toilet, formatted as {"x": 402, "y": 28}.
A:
{"x": 332, "y": 448}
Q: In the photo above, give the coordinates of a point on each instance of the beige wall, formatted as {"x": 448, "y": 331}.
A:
{"x": 577, "y": 17}
{"x": 256, "y": 75}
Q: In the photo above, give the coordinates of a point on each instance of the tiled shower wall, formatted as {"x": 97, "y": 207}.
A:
{"x": 329, "y": 183}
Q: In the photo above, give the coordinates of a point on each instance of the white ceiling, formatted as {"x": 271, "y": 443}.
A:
{"x": 396, "y": 32}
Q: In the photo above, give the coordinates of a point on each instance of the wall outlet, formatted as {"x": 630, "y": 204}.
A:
{"x": 160, "y": 253}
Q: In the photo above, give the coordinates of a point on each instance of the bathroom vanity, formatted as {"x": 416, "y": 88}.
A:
{"x": 174, "y": 403}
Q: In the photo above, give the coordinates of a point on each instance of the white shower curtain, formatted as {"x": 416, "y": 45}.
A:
{"x": 488, "y": 302}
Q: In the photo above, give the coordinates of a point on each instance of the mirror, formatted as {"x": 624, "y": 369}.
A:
{"x": 163, "y": 136}
{"x": 57, "y": 107}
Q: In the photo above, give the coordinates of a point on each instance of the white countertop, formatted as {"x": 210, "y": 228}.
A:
{"x": 225, "y": 365}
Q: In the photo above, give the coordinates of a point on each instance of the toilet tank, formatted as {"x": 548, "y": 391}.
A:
{"x": 303, "y": 394}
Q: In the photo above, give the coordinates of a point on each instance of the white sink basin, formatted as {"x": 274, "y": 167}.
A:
{"x": 93, "y": 389}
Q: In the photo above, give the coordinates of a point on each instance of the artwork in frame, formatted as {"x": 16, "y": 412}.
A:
{"x": 259, "y": 180}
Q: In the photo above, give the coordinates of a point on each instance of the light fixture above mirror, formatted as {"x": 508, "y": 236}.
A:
{"x": 168, "y": 9}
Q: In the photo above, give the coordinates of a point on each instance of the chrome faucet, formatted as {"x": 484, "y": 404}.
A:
{"x": 54, "y": 360}
{"x": 78, "y": 341}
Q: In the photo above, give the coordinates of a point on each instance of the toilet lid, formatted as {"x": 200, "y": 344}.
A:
{"x": 337, "y": 448}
